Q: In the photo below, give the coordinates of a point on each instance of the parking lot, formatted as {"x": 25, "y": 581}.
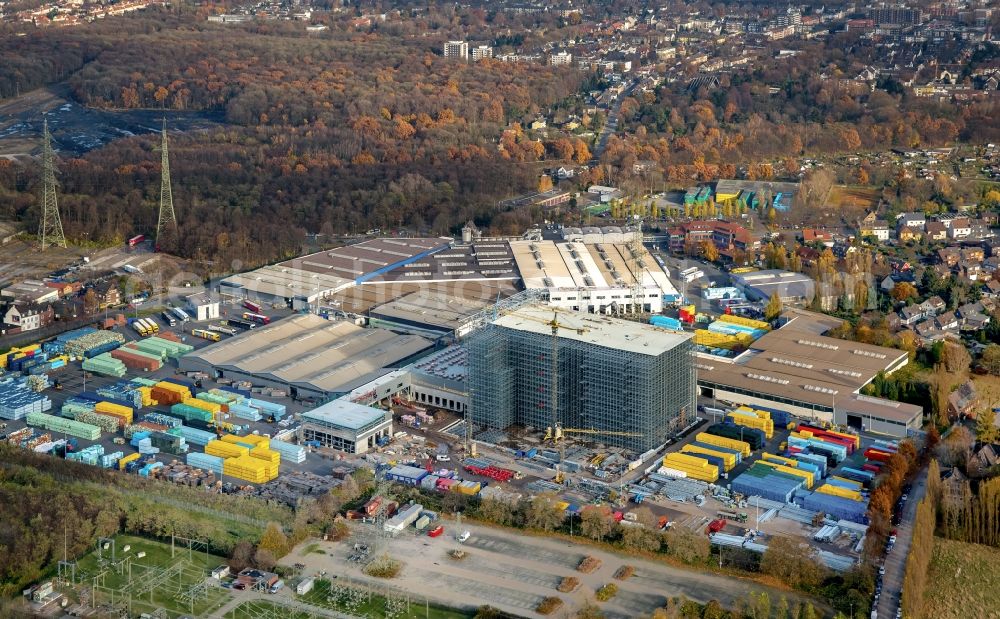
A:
{"x": 514, "y": 572}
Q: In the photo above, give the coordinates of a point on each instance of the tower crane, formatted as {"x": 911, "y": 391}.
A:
{"x": 555, "y": 325}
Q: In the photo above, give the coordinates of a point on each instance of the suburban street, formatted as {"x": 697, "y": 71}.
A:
{"x": 895, "y": 562}
{"x": 611, "y": 125}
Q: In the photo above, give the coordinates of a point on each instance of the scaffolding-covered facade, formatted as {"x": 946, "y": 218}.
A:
{"x": 601, "y": 386}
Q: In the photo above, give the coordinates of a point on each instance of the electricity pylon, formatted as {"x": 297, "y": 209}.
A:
{"x": 166, "y": 225}
{"x": 51, "y": 230}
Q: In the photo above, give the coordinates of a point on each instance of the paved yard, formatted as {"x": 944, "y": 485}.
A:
{"x": 515, "y": 572}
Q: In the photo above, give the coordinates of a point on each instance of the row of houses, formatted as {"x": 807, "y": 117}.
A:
{"x": 932, "y": 322}
{"x": 913, "y": 227}
{"x": 31, "y": 305}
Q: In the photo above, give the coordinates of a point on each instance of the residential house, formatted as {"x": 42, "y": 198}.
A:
{"x": 972, "y": 254}
{"x": 949, "y": 256}
{"x": 960, "y": 228}
{"x": 933, "y": 306}
{"x": 889, "y": 281}
{"x": 980, "y": 230}
{"x": 963, "y": 401}
{"x": 811, "y": 235}
{"x": 915, "y": 221}
{"x": 991, "y": 265}
{"x": 28, "y": 318}
{"x": 65, "y": 289}
{"x": 928, "y": 331}
{"x": 909, "y": 235}
{"x": 936, "y": 231}
{"x": 910, "y": 315}
{"x": 991, "y": 289}
{"x": 985, "y": 458}
{"x": 971, "y": 272}
{"x": 108, "y": 294}
{"x": 946, "y": 321}
{"x": 973, "y": 317}
{"x": 900, "y": 265}
{"x": 808, "y": 255}
{"x": 878, "y": 229}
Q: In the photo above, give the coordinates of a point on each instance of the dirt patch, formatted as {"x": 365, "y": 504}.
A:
{"x": 853, "y": 198}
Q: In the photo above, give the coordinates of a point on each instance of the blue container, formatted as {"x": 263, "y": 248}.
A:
{"x": 818, "y": 461}
{"x": 841, "y": 484}
{"x": 838, "y": 507}
{"x": 101, "y": 349}
{"x": 666, "y": 322}
{"x": 735, "y": 452}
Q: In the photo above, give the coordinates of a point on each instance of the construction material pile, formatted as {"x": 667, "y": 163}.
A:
{"x": 17, "y": 399}
{"x": 93, "y": 344}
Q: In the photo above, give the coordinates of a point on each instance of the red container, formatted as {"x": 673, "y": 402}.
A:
{"x": 877, "y": 454}
{"x": 135, "y": 362}
{"x": 436, "y": 531}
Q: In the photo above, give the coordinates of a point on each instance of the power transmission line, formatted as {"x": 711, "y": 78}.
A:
{"x": 51, "y": 231}
{"x": 166, "y": 225}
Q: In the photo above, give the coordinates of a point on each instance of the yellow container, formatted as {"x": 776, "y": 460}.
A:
{"x": 692, "y": 466}
{"x": 761, "y": 414}
{"x": 746, "y": 322}
{"x": 223, "y": 449}
{"x": 247, "y": 468}
{"x": 262, "y": 453}
{"x": 147, "y": 395}
{"x": 184, "y": 392}
{"x": 211, "y": 407}
{"x": 780, "y": 460}
{"x": 750, "y": 420}
{"x": 721, "y": 441}
{"x": 728, "y": 459}
{"x": 129, "y": 458}
{"x": 804, "y": 474}
{"x": 232, "y": 438}
{"x": 114, "y": 409}
{"x": 256, "y": 440}
{"x": 846, "y": 493}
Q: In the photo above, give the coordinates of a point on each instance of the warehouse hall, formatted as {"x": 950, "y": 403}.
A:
{"x": 307, "y": 355}
{"x": 813, "y": 376}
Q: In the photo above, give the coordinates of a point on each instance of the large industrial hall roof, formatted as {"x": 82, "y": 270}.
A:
{"x": 573, "y": 264}
{"x": 324, "y": 273}
{"x": 310, "y": 352}
{"x": 796, "y": 362}
{"x": 594, "y": 329}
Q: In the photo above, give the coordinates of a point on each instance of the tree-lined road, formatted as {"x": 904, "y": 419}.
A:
{"x": 895, "y": 562}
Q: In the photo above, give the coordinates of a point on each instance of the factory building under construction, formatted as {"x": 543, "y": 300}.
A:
{"x": 622, "y": 383}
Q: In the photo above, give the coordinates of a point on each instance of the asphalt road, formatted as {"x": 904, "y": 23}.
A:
{"x": 611, "y": 126}
{"x": 895, "y": 562}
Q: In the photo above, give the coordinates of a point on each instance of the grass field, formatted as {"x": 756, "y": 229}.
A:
{"x": 157, "y": 580}
{"x": 842, "y": 196}
{"x": 361, "y": 602}
{"x": 962, "y": 583}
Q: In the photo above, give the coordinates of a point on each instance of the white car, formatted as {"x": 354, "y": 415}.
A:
{"x": 464, "y": 537}
{"x": 881, "y": 571}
